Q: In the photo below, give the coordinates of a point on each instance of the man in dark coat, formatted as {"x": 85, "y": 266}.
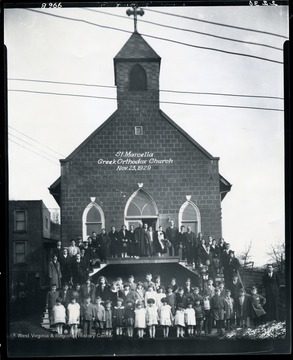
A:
{"x": 65, "y": 265}
{"x": 171, "y": 234}
{"x": 191, "y": 248}
{"x": 79, "y": 271}
{"x": 139, "y": 235}
{"x": 271, "y": 284}
{"x": 114, "y": 245}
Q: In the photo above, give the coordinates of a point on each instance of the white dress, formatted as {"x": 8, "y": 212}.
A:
{"x": 139, "y": 319}
{"x": 165, "y": 315}
{"x": 179, "y": 318}
{"x": 73, "y": 313}
{"x": 190, "y": 316}
{"x": 59, "y": 314}
{"x": 152, "y": 315}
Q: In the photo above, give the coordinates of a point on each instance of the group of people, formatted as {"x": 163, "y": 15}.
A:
{"x": 73, "y": 264}
{"x": 133, "y": 309}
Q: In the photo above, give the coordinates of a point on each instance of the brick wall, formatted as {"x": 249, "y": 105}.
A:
{"x": 191, "y": 172}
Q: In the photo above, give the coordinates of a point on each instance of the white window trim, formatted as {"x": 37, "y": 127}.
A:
{"x": 128, "y": 219}
{"x": 182, "y": 208}
{"x": 84, "y": 216}
{"x": 140, "y": 130}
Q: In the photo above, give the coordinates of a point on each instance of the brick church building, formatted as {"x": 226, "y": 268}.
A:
{"x": 139, "y": 165}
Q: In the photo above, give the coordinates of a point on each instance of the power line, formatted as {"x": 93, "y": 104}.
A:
{"x": 33, "y": 152}
{"x": 188, "y": 30}
{"x": 31, "y": 145}
{"x": 170, "y": 91}
{"x": 147, "y": 101}
{"x": 164, "y": 39}
{"x": 35, "y": 141}
{"x": 219, "y": 24}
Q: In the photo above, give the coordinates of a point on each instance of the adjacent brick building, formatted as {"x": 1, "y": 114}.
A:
{"x": 32, "y": 236}
{"x": 139, "y": 164}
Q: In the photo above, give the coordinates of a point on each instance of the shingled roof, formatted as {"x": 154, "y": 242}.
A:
{"x": 136, "y": 48}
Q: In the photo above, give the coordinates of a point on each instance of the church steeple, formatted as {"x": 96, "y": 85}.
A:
{"x": 137, "y": 70}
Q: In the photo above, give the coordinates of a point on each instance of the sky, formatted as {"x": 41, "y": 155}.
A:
{"x": 45, "y": 46}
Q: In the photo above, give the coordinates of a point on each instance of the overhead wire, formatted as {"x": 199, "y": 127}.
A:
{"x": 161, "y": 90}
{"x": 188, "y": 30}
{"x": 33, "y": 152}
{"x": 146, "y": 101}
{"x": 26, "y": 142}
{"x": 34, "y": 140}
{"x": 160, "y": 38}
{"x": 216, "y": 23}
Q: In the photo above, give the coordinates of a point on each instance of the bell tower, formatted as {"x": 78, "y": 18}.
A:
{"x": 137, "y": 70}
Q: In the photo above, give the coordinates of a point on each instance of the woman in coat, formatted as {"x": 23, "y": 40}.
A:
{"x": 55, "y": 272}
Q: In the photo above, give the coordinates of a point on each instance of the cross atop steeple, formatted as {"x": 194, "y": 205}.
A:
{"x": 135, "y": 12}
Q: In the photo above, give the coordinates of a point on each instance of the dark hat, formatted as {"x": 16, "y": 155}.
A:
{"x": 126, "y": 284}
{"x": 180, "y": 305}
{"x": 231, "y": 252}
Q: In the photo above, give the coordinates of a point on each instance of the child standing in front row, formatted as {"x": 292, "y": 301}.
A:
{"x": 108, "y": 318}
{"x": 99, "y": 316}
{"x": 87, "y": 315}
{"x": 59, "y": 315}
{"x": 139, "y": 320}
{"x": 118, "y": 317}
{"x": 218, "y": 309}
{"x": 190, "y": 319}
{"x": 152, "y": 317}
{"x": 165, "y": 316}
{"x": 73, "y": 313}
{"x": 179, "y": 320}
{"x": 207, "y": 314}
{"x": 129, "y": 318}
{"x": 199, "y": 316}
{"x": 257, "y": 311}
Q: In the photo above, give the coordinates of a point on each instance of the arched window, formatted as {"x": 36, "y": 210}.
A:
{"x": 137, "y": 78}
{"x": 141, "y": 207}
{"x": 189, "y": 215}
{"x": 92, "y": 219}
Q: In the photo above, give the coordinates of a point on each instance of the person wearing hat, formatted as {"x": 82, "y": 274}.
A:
{"x": 231, "y": 267}
{"x": 151, "y": 317}
{"x": 165, "y": 316}
{"x": 127, "y": 294}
